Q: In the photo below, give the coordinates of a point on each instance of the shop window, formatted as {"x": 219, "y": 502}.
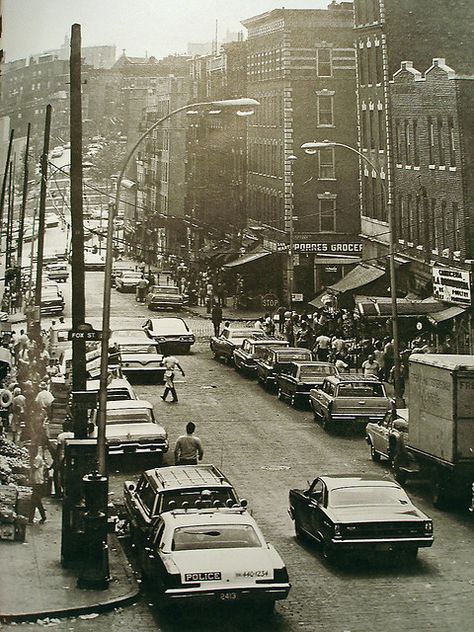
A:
{"x": 325, "y": 105}
{"x": 327, "y": 169}
{"x": 324, "y": 62}
{"x": 327, "y": 215}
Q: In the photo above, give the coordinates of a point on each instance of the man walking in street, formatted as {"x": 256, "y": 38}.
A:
{"x": 188, "y": 449}
{"x": 37, "y": 484}
{"x": 171, "y": 364}
{"x": 216, "y": 317}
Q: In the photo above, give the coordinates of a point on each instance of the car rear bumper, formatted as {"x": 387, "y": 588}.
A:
{"x": 381, "y": 543}
{"x": 229, "y": 594}
{"x": 137, "y": 448}
{"x": 359, "y": 417}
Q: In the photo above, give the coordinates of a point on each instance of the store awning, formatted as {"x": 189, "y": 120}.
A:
{"x": 361, "y": 275}
{"x": 253, "y": 256}
{"x": 446, "y": 314}
{"x": 381, "y": 307}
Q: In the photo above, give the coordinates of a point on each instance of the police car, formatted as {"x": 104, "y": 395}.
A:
{"x": 213, "y": 555}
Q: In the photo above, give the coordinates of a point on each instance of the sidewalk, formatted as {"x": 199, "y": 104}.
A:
{"x": 35, "y": 586}
{"x": 228, "y": 313}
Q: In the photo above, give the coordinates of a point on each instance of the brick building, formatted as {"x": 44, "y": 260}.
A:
{"x": 217, "y": 151}
{"x": 301, "y": 68}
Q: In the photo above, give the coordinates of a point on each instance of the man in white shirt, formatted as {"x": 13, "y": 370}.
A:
{"x": 322, "y": 347}
{"x": 171, "y": 364}
{"x": 188, "y": 448}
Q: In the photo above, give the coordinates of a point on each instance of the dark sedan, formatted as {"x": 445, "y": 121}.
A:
{"x": 223, "y": 346}
{"x": 172, "y": 334}
{"x": 298, "y": 378}
{"x": 274, "y": 361}
{"x": 360, "y": 513}
{"x": 251, "y": 349}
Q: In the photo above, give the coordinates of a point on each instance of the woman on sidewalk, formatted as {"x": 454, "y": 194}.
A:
{"x": 37, "y": 483}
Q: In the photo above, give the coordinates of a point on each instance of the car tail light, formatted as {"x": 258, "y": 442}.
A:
{"x": 337, "y": 531}
{"x": 280, "y": 575}
{"x": 428, "y": 527}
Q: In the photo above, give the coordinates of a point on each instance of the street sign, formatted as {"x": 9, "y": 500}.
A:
{"x": 84, "y": 332}
{"x": 269, "y": 301}
{"x": 297, "y": 297}
{"x": 84, "y": 400}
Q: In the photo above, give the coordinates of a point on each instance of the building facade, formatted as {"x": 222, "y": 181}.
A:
{"x": 301, "y": 67}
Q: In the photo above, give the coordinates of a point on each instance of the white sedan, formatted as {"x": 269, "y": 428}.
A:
{"x": 172, "y": 334}
{"x": 213, "y": 555}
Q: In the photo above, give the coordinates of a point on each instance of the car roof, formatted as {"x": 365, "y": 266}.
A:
{"x": 133, "y": 340}
{"x": 262, "y": 340}
{"x": 136, "y": 404}
{"x": 187, "y": 476}
{"x": 337, "y": 481}
{"x": 221, "y": 515}
{"x": 116, "y": 382}
{"x": 352, "y": 377}
{"x": 166, "y": 322}
{"x": 315, "y": 363}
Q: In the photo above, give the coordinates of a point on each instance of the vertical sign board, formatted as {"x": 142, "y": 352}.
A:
{"x": 452, "y": 285}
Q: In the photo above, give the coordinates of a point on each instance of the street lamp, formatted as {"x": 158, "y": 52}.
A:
{"x": 289, "y": 226}
{"x": 242, "y": 107}
{"x": 312, "y": 148}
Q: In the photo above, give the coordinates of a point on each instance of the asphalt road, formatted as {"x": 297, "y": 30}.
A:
{"x": 265, "y": 447}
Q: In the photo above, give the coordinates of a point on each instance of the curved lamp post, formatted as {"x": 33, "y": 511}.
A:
{"x": 312, "y": 148}
{"x": 242, "y": 107}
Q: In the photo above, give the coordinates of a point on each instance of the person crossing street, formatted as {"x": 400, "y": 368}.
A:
{"x": 188, "y": 449}
{"x": 171, "y": 364}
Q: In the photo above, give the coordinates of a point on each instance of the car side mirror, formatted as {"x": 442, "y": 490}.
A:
{"x": 243, "y": 503}
{"x": 131, "y": 487}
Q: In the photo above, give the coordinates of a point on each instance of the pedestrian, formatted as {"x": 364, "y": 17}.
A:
{"x": 142, "y": 286}
{"x": 268, "y": 325}
{"x": 322, "y": 347}
{"x": 171, "y": 364}
{"x": 226, "y": 329}
{"x": 37, "y": 483}
{"x": 62, "y": 437}
{"x": 281, "y": 318}
{"x": 371, "y": 366}
{"x": 289, "y": 329}
{"x": 45, "y": 399}
{"x": 188, "y": 449}
{"x": 216, "y": 317}
{"x": 18, "y": 413}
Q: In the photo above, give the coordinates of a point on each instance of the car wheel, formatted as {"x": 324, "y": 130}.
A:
{"x": 299, "y": 533}
{"x": 439, "y": 492}
{"x": 374, "y": 455}
{"x": 267, "y": 607}
{"x": 411, "y": 554}
{"x": 327, "y": 422}
{"x": 329, "y": 554}
{"x": 316, "y": 415}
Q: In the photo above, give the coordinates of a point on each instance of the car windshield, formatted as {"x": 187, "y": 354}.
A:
{"x": 308, "y": 372}
{"x": 362, "y": 389}
{"x": 168, "y": 289}
{"x": 290, "y": 356}
{"x": 169, "y": 326}
{"x": 240, "y": 333}
{"x": 138, "y": 348}
{"x": 49, "y": 295}
{"x": 174, "y": 499}
{"x": 129, "y": 416}
{"x": 131, "y": 275}
{"x": 215, "y": 536}
{"x": 130, "y": 333}
{"x": 363, "y": 496}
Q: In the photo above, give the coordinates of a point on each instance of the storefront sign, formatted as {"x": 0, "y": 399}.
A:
{"x": 451, "y": 285}
{"x": 331, "y": 268}
{"x": 353, "y": 248}
{"x": 297, "y": 297}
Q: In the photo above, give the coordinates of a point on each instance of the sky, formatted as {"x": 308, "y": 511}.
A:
{"x": 153, "y": 27}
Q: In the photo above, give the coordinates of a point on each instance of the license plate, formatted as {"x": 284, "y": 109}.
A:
{"x": 228, "y": 596}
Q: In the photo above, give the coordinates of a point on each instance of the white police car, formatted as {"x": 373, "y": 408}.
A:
{"x": 213, "y": 555}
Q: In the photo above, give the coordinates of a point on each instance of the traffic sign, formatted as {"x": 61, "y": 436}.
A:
{"x": 84, "y": 332}
{"x": 84, "y": 400}
{"x": 297, "y": 297}
{"x": 269, "y": 301}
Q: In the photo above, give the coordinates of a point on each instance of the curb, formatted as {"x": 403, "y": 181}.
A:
{"x": 101, "y": 606}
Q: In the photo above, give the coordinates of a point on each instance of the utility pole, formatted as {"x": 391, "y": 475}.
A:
{"x": 5, "y": 177}
{"x": 41, "y": 224}
{"x": 78, "y": 302}
{"x": 11, "y": 201}
{"x": 21, "y": 223}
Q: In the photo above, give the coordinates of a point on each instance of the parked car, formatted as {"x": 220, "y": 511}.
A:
{"x": 93, "y": 261}
{"x": 172, "y": 334}
{"x": 360, "y": 513}
{"x": 276, "y": 360}
{"x": 384, "y": 436}
{"x": 52, "y": 302}
{"x": 167, "y": 488}
{"x": 295, "y": 382}
{"x": 223, "y": 346}
{"x": 119, "y": 268}
{"x": 57, "y": 272}
{"x": 251, "y": 349}
{"x": 213, "y": 556}
{"x": 138, "y": 357}
{"x": 350, "y": 398}
{"x": 164, "y": 296}
{"x": 131, "y": 428}
{"x": 127, "y": 281}
{"x": 118, "y": 389}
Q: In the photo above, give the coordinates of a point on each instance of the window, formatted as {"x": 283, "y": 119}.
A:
{"x": 147, "y": 497}
{"x": 401, "y": 217}
{"x": 409, "y": 218}
{"x": 381, "y": 129}
{"x": 452, "y": 145}
{"x": 398, "y": 142}
{"x": 378, "y": 64}
{"x": 456, "y": 227}
{"x": 325, "y": 110}
{"x": 417, "y": 222}
{"x": 327, "y": 215}
{"x": 416, "y": 156}
{"x": 441, "y": 146}
{"x": 407, "y": 143}
{"x": 371, "y": 130}
{"x": 327, "y": 169}
{"x": 431, "y": 140}
{"x": 433, "y": 228}
{"x": 324, "y": 62}
{"x": 444, "y": 224}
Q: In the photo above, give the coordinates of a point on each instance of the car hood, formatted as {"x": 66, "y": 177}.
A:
{"x": 142, "y": 357}
{"x": 232, "y": 563}
{"x": 375, "y": 514}
{"x": 135, "y": 430}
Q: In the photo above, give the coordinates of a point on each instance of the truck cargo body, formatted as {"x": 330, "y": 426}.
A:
{"x": 441, "y": 424}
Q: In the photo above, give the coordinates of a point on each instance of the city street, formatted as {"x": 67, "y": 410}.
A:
{"x": 265, "y": 447}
